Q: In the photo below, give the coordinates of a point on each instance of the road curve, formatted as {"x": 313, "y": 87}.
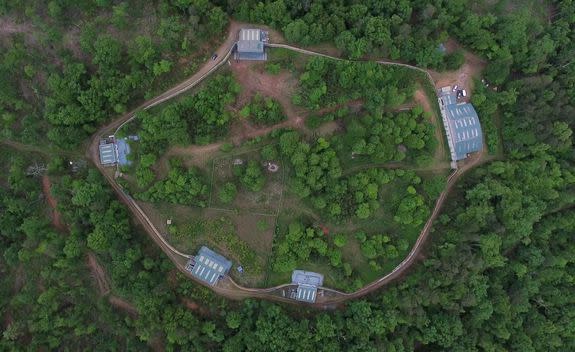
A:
{"x": 228, "y": 287}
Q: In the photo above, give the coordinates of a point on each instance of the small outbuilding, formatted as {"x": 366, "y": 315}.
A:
{"x": 307, "y": 282}
{"x": 251, "y": 45}
{"x": 208, "y": 266}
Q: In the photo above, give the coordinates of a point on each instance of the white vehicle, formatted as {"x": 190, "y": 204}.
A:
{"x": 464, "y": 93}
{"x": 455, "y": 87}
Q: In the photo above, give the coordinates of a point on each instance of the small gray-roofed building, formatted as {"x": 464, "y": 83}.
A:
{"x": 250, "y": 45}
{"x": 308, "y": 283}
{"x": 461, "y": 124}
{"x": 107, "y": 153}
{"x": 208, "y": 266}
{"x": 302, "y": 277}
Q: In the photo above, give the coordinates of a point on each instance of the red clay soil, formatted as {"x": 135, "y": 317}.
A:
{"x": 123, "y": 305}
{"x": 56, "y": 216}
{"x": 98, "y": 273}
{"x": 104, "y": 286}
{"x": 193, "y": 306}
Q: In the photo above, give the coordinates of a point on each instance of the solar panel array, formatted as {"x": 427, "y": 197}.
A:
{"x": 107, "y": 154}
{"x": 208, "y": 266}
{"x": 306, "y": 293}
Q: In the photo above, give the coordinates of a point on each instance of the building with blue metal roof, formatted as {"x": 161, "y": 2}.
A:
{"x": 123, "y": 149}
{"x": 461, "y": 124}
{"x": 307, "y": 282}
{"x": 208, "y": 266}
{"x": 251, "y": 45}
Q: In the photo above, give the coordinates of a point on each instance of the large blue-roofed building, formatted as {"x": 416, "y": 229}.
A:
{"x": 208, "y": 266}
{"x": 461, "y": 124}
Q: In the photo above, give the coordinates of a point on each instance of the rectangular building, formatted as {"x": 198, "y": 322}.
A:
{"x": 307, "y": 282}
{"x": 208, "y": 266}
{"x": 107, "y": 152}
{"x": 251, "y": 45}
{"x": 461, "y": 125}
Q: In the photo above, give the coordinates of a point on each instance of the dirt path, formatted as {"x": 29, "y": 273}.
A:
{"x": 123, "y": 305}
{"x": 104, "y": 285}
{"x": 98, "y": 273}
{"x": 56, "y": 216}
{"x": 422, "y": 99}
{"x": 7, "y": 26}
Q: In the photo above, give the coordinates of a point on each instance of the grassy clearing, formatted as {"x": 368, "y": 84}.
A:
{"x": 265, "y": 202}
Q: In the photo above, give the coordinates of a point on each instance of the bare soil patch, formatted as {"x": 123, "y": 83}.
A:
{"x": 98, "y": 273}
{"x": 123, "y": 305}
{"x": 195, "y": 307}
{"x": 280, "y": 87}
{"x": 465, "y": 74}
{"x": 8, "y": 26}
{"x": 56, "y": 216}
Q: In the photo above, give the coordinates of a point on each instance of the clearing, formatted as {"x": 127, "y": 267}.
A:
{"x": 464, "y": 76}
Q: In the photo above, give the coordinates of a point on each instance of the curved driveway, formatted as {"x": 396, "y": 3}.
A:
{"x": 228, "y": 287}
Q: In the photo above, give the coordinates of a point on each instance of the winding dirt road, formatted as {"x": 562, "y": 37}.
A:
{"x": 227, "y": 287}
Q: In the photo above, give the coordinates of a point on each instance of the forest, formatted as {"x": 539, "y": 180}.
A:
{"x": 498, "y": 270}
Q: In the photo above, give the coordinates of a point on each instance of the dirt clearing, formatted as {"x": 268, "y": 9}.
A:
{"x": 280, "y": 87}
{"x": 464, "y": 76}
{"x": 56, "y": 216}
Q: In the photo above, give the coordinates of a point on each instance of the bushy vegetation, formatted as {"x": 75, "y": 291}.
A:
{"x": 390, "y": 137}
{"x": 303, "y": 244}
{"x": 181, "y": 186}
{"x": 70, "y": 71}
{"x": 263, "y": 111}
{"x": 326, "y": 83}
{"x": 199, "y": 118}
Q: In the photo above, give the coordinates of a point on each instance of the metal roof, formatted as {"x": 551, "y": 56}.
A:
{"x": 208, "y": 266}
{"x": 123, "y": 151}
{"x": 107, "y": 153}
{"x": 461, "y": 124}
{"x": 302, "y": 277}
{"x": 251, "y": 45}
{"x": 250, "y": 34}
{"x": 306, "y": 293}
